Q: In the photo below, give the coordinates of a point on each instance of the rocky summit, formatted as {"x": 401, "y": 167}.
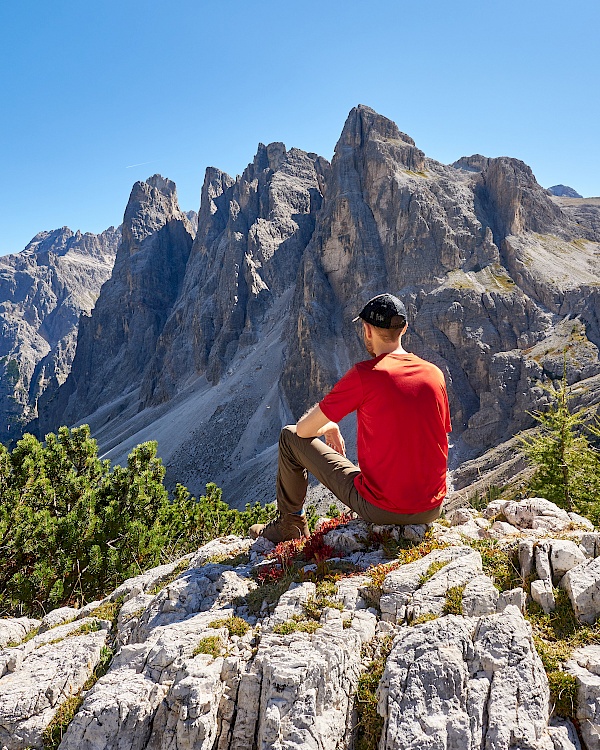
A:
{"x": 43, "y": 291}
{"x": 360, "y": 637}
{"x": 210, "y": 343}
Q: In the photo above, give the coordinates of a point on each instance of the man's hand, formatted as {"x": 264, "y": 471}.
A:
{"x": 334, "y": 439}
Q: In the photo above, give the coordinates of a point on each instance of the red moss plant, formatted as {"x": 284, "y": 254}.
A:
{"x": 313, "y": 548}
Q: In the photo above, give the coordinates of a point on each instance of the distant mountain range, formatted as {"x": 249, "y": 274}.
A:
{"x": 209, "y": 341}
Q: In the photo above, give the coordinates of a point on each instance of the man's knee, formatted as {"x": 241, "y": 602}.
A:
{"x": 286, "y": 433}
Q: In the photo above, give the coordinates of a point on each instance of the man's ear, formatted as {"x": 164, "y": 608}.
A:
{"x": 368, "y": 331}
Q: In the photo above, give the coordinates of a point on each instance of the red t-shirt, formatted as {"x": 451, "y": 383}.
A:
{"x": 403, "y": 421}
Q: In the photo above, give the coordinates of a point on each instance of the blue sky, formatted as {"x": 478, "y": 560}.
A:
{"x": 90, "y": 88}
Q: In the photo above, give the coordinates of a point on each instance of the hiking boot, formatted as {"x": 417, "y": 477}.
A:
{"x": 281, "y": 529}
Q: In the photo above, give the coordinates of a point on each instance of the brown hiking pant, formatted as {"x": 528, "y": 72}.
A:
{"x": 297, "y": 455}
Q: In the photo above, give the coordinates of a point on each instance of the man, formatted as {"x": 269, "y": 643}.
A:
{"x": 403, "y": 421}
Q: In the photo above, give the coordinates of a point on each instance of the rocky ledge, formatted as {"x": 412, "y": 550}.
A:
{"x": 475, "y": 633}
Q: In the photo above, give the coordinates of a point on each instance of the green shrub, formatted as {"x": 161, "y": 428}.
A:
{"x": 235, "y": 625}
{"x": 567, "y": 465}
{"x": 72, "y": 528}
{"x": 453, "y": 603}
{"x": 210, "y": 645}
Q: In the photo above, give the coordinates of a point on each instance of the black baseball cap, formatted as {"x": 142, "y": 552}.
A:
{"x": 383, "y": 311}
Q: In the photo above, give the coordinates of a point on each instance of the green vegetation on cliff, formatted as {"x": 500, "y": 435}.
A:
{"x": 567, "y": 463}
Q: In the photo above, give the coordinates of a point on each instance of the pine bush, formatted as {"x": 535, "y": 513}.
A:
{"x": 72, "y": 528}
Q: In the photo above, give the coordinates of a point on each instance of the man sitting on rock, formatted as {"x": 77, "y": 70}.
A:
{"x": 403, "y": 420}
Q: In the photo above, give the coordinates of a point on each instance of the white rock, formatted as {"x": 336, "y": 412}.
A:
{"x": 480, "y": 597}
{"x": 465, "y": 683}
{"x": 121, "y": 704}
{"x": 415, "y": 532}
{"x": 31, "y": 694}
{"x": 542, "y": 562}
{"x": 590, "y": 543}
{"x": 564, "y": 555}
{"x": 298, "y": 691}
{"x": 536, "y": 513}
{"x": 501, "y": 529}
{"x": 14, "y": 629}
{"x": 526, "y": 557}
{"x": 543, "y": 594}
{"x": 400, "y": 585}
{"x": 512, "y": 598}
{"x": 581, "y": 522}
{"x": 582, "y": 584}
{"x": 563, "y": 734}
{"x": 132, "y": 587}
{"x": 348, "y": 538}
{"x": 228, "y": 546}
{"x": 291, "y": 603}
{"x": 493, "y": 509}
{"x": 58, "y": 617}
{"x": 460, "y": 515}
{"x": 585, "y": 666}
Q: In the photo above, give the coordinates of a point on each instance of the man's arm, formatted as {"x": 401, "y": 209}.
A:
{"x": 315, "y": 424}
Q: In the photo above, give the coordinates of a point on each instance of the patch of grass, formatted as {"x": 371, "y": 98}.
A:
{"x": 499, "y": 563}
{"x": 333, "y": 511}
{"x": 106, "y": 655}
{"x": 210, "y": 645}
{"x": 424, "y": 618}
{"x": 54, "y": 732}
{"x": 109, "y": 611}
{"x": 269, "y": 592}
{"x": 294, "y": 626}
{"x": 556, "y": 634}
{"x": 346, "y": 624}
{"x": 87, "y": 627}
{"x": 563, "y": 694}
{"x": 418, "y": 173}
{"x": 370, "y": 723}
{"x": 181, "y": 567}
{"x": 235, "y": 625}
{"x": 28, "y": 637}
{"x": 326, "y": 588}
{"x": 432, "y": 570}
{"x": 453, "y": 603}
{"x": 242, "y": 558}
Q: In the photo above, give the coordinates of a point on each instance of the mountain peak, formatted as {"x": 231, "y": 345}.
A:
{"x": 564, "y": 191}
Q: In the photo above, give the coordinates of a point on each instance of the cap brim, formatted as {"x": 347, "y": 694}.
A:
{"x": 356, "y": 318}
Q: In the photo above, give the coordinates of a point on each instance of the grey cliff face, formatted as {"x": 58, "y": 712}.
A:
{"x": 489, "y": 264}
{"x": 43, "y": 291}
{"x": 117, "y": 340}
{"x": 210, "y": 348}
{"x": 252, "y": 233}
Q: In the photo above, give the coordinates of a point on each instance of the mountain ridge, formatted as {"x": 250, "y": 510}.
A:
{"x": 498, "y": 275}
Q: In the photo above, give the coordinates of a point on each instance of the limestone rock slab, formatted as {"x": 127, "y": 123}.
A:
{"x": 543, "y": 594}
{"x": 536, "y": 513}
{"x": 465, "y": 683}
{"x": 585, "y": 666}
{"x": 582, "y": 584}
{"x": 31, "y": 694}
{"x": 14, "y": 629}
{"x": 564, "y": 555}
{"x": 299, "y": 691}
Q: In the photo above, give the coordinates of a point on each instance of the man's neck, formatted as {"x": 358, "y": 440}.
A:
{"x": 383, "y": 348}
